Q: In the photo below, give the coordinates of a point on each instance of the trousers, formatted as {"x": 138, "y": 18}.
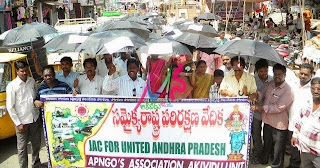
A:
{"x": 32, "y": 133}
{"x": 274, "y": 139}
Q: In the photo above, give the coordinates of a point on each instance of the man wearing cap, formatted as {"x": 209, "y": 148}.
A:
{"x": 240, "y": 35}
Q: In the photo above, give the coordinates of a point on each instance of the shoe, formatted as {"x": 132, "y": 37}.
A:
{"x": 255, "y": 161}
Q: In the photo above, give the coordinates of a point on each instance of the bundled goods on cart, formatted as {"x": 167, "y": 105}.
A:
{"x": 311, "y": 50}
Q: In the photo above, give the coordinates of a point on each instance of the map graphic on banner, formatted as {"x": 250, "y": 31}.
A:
{"x": 107, "y": 132}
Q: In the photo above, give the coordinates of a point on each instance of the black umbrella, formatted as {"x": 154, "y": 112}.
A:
{"x": 136, "y": 20}
{"x": 156, "y": 21}
{"x": 136, "y": 28}
{"x": 110, "y": 42}
{"x": 67, "y": 42}
{"x": 165, "y": 46}
{"x": 197, "y": 40}
{"x": 250, "y": 48}
{"x": 199, "y": 28}
{"x": 27, "y": 32}
{"x": 208, "y": 16}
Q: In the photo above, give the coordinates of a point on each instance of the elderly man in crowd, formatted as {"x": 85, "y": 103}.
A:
{"x": 277, "y": 99}
{"x": 301, "y": 93}
{"x": 307, "y": 128}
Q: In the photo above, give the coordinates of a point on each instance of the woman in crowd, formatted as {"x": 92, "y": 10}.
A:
{"x": 201, "y": 81}
{"x": 176, "y": 84}
{"x": 156, "y": 68}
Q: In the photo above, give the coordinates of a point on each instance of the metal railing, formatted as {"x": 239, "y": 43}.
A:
{"x": 75, "y": 21}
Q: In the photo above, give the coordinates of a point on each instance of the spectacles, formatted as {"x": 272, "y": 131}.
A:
{"x": 315, "y": 89}
{"x": 134, "y": 91}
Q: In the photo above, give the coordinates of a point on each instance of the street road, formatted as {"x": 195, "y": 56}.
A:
{"x": 9, "y": 157}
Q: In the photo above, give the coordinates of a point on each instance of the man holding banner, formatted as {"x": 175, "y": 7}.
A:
{"x": 129, "y": 85}
{"x": 51, "y": 86}
{"x": 277, "y": 97}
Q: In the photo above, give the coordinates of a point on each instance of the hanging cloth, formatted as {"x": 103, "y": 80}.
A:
{"x": 20, "y": 12}
{"x": 5, "y": 22}
{"x": 9, "y": 21}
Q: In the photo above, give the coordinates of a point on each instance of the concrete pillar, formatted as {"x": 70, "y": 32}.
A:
{"x": 53, "y": 15}
{"x": 40, "y": 15}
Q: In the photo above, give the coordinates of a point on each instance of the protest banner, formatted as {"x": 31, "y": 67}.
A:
{"x": 107, "y": 132}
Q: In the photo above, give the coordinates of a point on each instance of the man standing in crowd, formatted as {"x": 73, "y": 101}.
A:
{"x": 20, "y": 95}
{"x": 66, "y": 75}
{"x": 51, "y": 86}
{"x": 238, "y": 83}
{"x": 262, "y": 79}
{"x": 226, "y": 67}
{"x": 301, "y": 93}
{"x": 171, "y": 19}
{"x": 307, "y": 128}
{"x": 240, "y": 35}
{"x": 129, "y": 85}
{"x": 89, "y": 83}
{"x": 278, "y": 97}
{"x": 104, "y": 65}
{"x": 122, "y": 60}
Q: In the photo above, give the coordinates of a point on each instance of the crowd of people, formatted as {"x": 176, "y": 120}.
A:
{"x": 285, "y": 108}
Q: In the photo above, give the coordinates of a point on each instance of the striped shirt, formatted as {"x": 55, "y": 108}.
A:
{"x": 124, "y": 85}
{"x": 307, "y": 128}
{"x": 59, "y": 88}
{"x": 87, "y": 87}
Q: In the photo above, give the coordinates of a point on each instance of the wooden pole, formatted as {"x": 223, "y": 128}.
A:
{"x": 228, "y": 17}
{"x": 226, "y": 28}
{"x": 302, "y": 7}
{"x": 244, "y": 9}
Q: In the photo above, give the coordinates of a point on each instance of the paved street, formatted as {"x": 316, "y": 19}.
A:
{"x": 9, "y": 158}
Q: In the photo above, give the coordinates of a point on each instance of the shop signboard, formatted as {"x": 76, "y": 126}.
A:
{"x": 5, "y": 5}
{"x": 112, "y": 13}
{"x": 100, "y": 131}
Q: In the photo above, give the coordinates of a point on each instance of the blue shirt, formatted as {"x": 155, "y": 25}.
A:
{"x": 59, "y": 88}
{"x": 69, "y": 79}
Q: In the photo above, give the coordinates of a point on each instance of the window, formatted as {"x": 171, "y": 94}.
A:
{"x": 5, "y": 75}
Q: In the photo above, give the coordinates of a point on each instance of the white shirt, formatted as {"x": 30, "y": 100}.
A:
{"x": 20, "y": 98}
{"x": 225, "y": 70}
{"x": 299, "y": 23}
{"x": 171, "y": 20}
{"x": 87, "y": 87}
{"x": 102, "y": 69}
{"x": 124, "y": 85}
{"x": 215, "y": 25}
{"x": 119, "y": 61}
{"x": 214, "y": 92}
{"x": 300, "y": 95}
